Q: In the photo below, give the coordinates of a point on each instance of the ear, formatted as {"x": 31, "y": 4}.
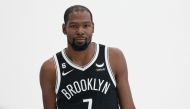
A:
{"x": 93, "y": 27}
{"x": 64, "y": 29}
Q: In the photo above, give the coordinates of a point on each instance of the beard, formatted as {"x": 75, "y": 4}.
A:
{"x": 78, "y": 45}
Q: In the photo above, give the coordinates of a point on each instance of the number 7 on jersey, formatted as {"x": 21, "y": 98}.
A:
{"x": 89, "y": 103}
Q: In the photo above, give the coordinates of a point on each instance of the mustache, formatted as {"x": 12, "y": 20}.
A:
{"x": 80, "y": 37}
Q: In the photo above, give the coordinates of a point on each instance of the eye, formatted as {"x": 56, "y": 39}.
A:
{"x": 86, "y": 25}
{"x": 73, "y": 26}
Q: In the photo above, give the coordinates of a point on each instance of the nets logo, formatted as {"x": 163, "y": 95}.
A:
{"x": 100, "y": 67}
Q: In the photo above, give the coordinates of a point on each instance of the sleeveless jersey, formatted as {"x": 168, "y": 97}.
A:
{"x": 92, "y": 86}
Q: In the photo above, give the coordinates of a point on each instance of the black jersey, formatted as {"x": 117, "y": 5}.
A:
{"x": 92, "y": 86}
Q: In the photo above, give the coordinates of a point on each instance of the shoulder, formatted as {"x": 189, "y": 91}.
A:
{"x": 48, "y": 82}
{"x": 48, "y": 65}
{"x": 117, "y": 60}
{"x": 48, "y": 72}
{"x": 115, "y": 52}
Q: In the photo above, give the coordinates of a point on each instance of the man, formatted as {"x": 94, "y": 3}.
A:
{"x": 85, "y": 75}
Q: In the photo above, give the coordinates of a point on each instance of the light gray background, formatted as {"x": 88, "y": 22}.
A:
{"x": 154, "y": 36}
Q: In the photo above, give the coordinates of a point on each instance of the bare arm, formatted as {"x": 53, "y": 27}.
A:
{"x": 47, "y": 82}
{"x": 119, "y": 67}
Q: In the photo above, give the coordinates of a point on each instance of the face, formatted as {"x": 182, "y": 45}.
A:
{"x": 79, "y": 30}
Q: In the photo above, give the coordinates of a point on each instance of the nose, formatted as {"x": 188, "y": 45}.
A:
{"x": 80, "y": 30}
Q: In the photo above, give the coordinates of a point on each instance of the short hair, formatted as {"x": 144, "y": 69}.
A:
{"x": 76, "y": 8}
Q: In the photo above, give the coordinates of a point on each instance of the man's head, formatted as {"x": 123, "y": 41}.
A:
{"x": 78, "y": 27}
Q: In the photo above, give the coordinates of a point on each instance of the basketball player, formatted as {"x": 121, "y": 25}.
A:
{"x": 85, "y": 75}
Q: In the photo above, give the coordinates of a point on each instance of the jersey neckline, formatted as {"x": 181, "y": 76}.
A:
{"x": 82, "y": 68}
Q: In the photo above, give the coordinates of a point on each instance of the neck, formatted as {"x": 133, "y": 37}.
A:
{"x": 81, "y": 57}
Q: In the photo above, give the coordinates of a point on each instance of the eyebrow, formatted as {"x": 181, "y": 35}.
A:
{"x": 80, "y": 22}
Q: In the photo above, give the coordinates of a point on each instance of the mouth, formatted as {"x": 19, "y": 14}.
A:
{"x": 80, "y": 38}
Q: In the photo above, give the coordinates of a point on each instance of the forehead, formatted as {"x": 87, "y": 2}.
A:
{"x": 79, "y": 17}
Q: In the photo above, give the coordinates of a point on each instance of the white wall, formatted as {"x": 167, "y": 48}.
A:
{"x": 154, "y": 35}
